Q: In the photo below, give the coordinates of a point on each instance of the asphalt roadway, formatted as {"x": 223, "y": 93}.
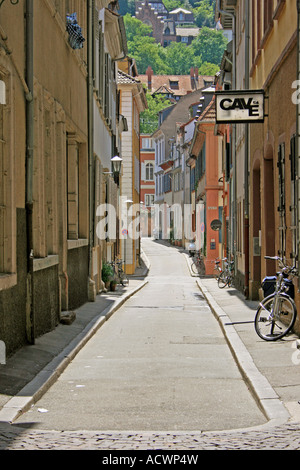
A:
{"x": 178, "y": 365}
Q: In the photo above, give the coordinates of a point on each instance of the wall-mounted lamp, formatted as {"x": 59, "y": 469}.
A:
{"x": 116, "y": 163}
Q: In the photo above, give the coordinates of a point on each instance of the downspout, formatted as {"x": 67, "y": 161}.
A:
{"x": 298, "y": 136}
{"x": 90, "y": 98}
{"x": 30, "y": 320}
{"x": 233, "y": 196}
{"x": 246, "y": 163}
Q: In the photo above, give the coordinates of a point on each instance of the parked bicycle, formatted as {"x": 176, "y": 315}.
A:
{"x": 277, "y": 312}
{"x": 217, "y": 268}
{"x": 120, "y": 275}
{"x": 198, "y": 266}
{"x": 226, "y": 276}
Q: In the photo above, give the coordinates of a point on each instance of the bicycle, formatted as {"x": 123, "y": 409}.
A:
{"x": 217, "y": 268}
{"x": 197, "y": 265}
{"x": 226, "y": 276}
{"x": 120, "y": 275}
{"x": 277, "y": 312}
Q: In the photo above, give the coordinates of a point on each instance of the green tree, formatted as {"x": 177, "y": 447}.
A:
{"x": 136, "y": 28}
{"x": 209, "y": 45}
{"x": 204, "y": 13}
{"x": 208, "y": 69}
{"x": 127, "y": 6}
{"x": 149, "y": 118}
{"x": 147, "y": 52}
{"x": 179, "y": 58}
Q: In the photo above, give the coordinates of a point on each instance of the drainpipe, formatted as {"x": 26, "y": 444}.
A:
{"x": 90, "y": 97}
{"x": 233, "y": 195}
{"x": 30, "y": 321}
{"x": 246, "y": 163}
{"x": 298, "y": 134}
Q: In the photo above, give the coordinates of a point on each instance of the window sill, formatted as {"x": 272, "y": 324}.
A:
{"x": 72, "y": 244}
{"x": 44, "y": 263}
{"x": 7, "y": 281}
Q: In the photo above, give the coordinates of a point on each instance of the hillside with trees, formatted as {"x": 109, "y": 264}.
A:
{"x": 205, "y": 52}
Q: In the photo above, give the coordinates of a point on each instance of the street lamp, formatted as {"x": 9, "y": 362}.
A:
{"x": 116, "y": 163}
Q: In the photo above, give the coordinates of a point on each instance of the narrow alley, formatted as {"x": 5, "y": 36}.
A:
{"x": 159, "y": 363}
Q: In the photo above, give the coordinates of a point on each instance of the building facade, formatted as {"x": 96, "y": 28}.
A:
{"x": 147, "y": 187}
{"x": 262, "y": 160}
{"x": 132, "y": 103}
{"x": 59, "y": 130}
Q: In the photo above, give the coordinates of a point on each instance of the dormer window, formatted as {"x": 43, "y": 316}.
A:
{"x": 174, "y": 84}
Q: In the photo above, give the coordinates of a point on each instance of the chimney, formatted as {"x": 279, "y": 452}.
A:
{"x": 149, "y": 73}
{"x": 192, "y": 78}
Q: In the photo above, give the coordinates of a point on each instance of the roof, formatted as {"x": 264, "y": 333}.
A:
{"x": 187, "y": 31}
{"x": 209, "y": 114}
{"x": 164, "y": 89}
{"x": 186, "y": 84}
{"x": 179, "y": 10}
{"x": 124, "y": 78}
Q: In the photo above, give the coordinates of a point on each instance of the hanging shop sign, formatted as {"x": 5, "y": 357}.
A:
{"x": 243, "y": 106}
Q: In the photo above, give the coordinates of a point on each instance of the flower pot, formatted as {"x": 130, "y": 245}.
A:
{"x": 113, "y": 286}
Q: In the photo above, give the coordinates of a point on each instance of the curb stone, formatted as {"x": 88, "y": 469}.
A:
{"x": 264, "y": 394}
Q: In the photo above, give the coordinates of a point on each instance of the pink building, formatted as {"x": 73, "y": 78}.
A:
{"x": 147, "y": 181}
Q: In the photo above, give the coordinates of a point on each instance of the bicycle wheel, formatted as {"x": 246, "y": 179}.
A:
{"x": 271, "y": 327}
{"x": 223, "y": 280}
{"x": 194, "y": 268}
{"x": 216, "y": 273}
{"x": 123, "y": 279}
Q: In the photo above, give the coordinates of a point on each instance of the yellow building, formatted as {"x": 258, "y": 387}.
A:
{"x": 56, "y": 105}
{"x": 273, "y": 68}
{"x": 133, "y": 102}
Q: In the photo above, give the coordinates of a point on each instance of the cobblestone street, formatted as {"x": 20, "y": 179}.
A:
{"x": 27, "y": 432}
{"x": 285, "y": 437}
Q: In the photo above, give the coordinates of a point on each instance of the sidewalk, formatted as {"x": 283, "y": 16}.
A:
{"x": 271, "y": 369}
{"x": 33, "y": 369}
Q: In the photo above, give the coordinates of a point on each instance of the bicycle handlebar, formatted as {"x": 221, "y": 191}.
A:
{"x": 284, "y": 267}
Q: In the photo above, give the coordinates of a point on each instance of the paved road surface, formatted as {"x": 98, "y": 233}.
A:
{"x": 160, "y": 363}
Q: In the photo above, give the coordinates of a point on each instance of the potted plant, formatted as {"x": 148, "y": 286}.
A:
{"x": 113, "y": 285}
{"x": 107, "y": 274}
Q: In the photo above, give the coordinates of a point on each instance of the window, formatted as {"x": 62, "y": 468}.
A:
{"x": 147, "y": 143}
{"x": 177, "y": 181}
{"x": 149, "y": 172}
{"x": 76, "y": 188}
{"x": 174, "y": 84}
{"x": 167, "y": 183}
{"x": 149, "y": 200}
